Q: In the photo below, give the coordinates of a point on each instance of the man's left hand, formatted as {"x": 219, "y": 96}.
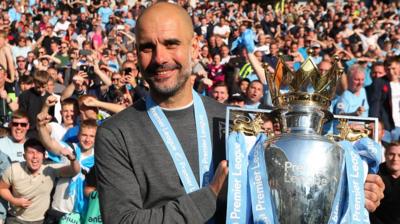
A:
{"x": 373, "y": 189}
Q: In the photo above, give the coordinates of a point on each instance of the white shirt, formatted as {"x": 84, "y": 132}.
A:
{"x": 61, "y": 26}
{"x": 57, "y": 130}
{"x": 395, "y": 87}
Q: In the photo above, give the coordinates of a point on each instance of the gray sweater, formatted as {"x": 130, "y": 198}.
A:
{"x": 137, "y": 179}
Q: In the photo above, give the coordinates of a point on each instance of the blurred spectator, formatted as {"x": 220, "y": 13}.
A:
{"x": 32, "y": 100}
{"x": 68, "y": 196}
{"x": 379, "y": 98}
{"x": 13, "y": 145}
{"x": 69, "y": 114}
{"x": 254, "y": 94}
{"x": 6, "y": 58}
{"x": 388, "y": 211}
{"x": 220, "y": 92}
{"x": 6, "y": 102}
{"x": 394, "y": 77}
{"x": 237, "y": 99}
{"x": 354, "y": 100}
{"x": 29, "y": 197}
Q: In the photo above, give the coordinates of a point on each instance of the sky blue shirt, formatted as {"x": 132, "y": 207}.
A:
{"x": 349, "y": 102}
{"x": 14, "y": 15}
{"x": 15, "y": 151}
{"x": 130, "y": 22}
{"x": 105, "y": 14}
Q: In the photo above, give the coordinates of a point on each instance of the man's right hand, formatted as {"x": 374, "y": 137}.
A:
{"x": 51, "y": 101}
{"x": 22, "y": 202}
{"x": 90, "y": 102}
{"x": 360, "y": 110}
{"x": 79, "y": 78}
{"x": 43, "y": 118}
{"x": 219, "y": 177}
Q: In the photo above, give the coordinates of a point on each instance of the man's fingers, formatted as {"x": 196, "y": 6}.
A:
{"x": 376, "y": 179}
{"x": 43, "y": 117}
{"x": 223, "y": 168}
{"x": 371, "y": 196}
{"x": 371, "y": 206}
{"x": 373, "y": 189}
{"x": 219, "y": 177}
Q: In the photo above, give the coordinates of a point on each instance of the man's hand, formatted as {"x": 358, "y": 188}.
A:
{"x": 22, "y": 202}
{"x": 128, "y": 78}
{"x": 42, "y": 119}
{"x": 206, "y": 81}
{"x": 219, "y": 177}
{"x": 51, "y": 101}
{"x": 90, "y": 102}
{"x": 360, "y": 110}
{"x": 373, "y": 189}
{"x": 67, "y": 153}
{"x": 79, "y": 78}
{"x": 202, "y": 74}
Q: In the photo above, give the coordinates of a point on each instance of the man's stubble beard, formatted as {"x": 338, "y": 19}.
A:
{"x": 179, "y": 85}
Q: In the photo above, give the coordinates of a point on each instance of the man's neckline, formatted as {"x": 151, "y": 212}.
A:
{"x": 179, "y": 108}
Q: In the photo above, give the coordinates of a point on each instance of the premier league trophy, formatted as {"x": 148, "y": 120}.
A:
{"x": 304, "y": 167}
{"x": 298, "y": 176}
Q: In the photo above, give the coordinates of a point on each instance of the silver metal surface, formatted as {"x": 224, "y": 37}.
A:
{"x": 303, "y": 168}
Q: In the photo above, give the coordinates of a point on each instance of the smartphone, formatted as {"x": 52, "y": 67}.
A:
{"x": 85, "y": 52}
{"x": 127, "y": 70}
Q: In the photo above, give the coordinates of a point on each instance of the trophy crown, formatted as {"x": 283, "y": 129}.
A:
{"x": 306, "y": 86}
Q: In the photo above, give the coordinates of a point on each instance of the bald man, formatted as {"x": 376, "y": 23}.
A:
{"x": 156, "y": 161}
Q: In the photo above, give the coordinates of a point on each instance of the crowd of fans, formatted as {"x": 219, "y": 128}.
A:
{"x": 66, "y": 66}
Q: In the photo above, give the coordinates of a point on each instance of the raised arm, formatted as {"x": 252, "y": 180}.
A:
{"x": 39, "y": 41}
{"x": 103, "y": 76}
{"x": 258, "y": 69}
{"x": 10, "y": 64}
{"x": 130, "y": 37}
{"x": 112, "y": 107}
{"x": 48, "y": 142}
{"x": 77, "y": 81}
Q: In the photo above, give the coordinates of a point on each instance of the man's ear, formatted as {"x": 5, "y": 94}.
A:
{"x": 194, "y": 48}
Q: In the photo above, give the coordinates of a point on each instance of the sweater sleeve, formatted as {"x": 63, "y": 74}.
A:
{"x": 121, "y": 199}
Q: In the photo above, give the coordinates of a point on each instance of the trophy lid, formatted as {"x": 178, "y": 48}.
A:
{"x": 307, "y": 86}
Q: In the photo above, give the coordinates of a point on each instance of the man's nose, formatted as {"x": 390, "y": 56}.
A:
{"x": 160, "y": 55}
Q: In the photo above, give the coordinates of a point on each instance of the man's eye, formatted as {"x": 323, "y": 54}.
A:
{"x": 172, "y": 45}
{"x": 146, "y": 49}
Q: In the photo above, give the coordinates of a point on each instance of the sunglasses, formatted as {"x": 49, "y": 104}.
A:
{"x": 16, "y": 124}
{"x": 41, "y": 52}
{"x": 20, "y": 60}
{"x": 115, "y": 79}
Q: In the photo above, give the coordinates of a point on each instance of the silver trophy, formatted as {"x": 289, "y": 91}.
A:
{"x": 304, "y": 167}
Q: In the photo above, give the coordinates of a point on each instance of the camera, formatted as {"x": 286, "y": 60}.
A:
{"x": 127, "y": 70}
{"x": 89, "y": 70}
